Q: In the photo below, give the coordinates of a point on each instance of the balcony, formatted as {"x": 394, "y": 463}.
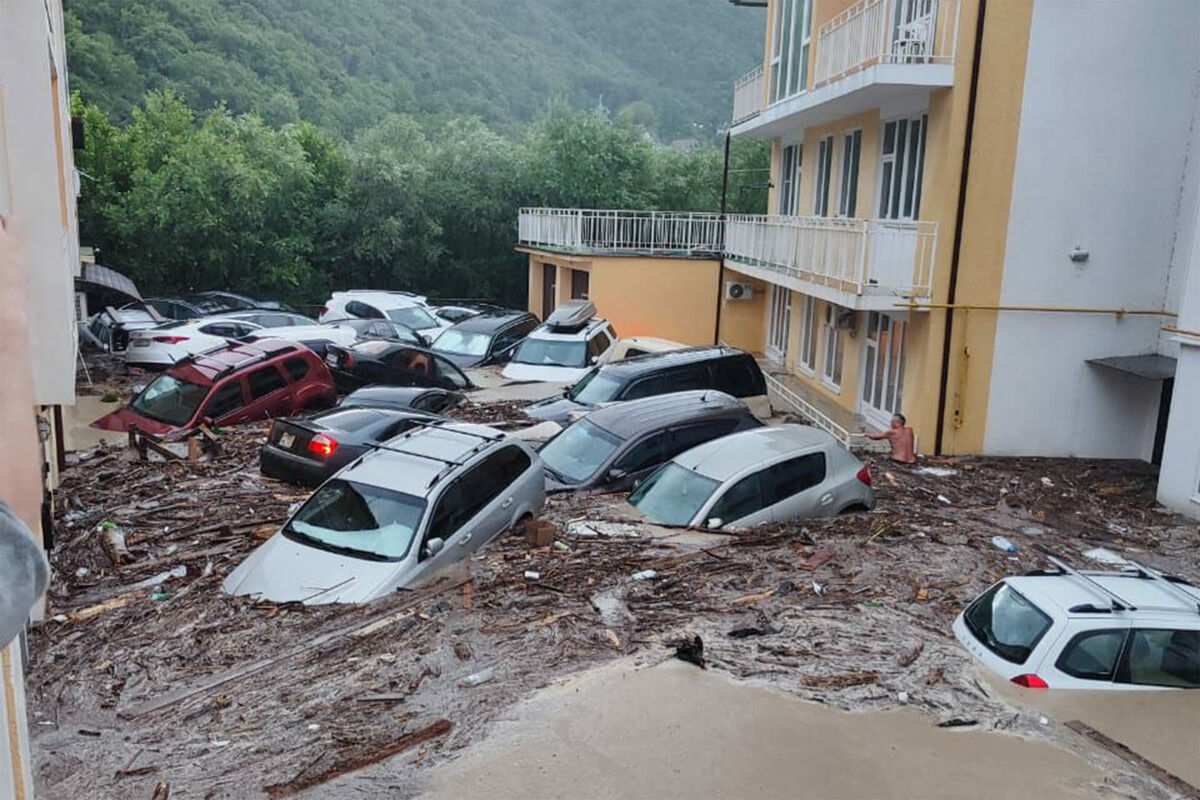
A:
{"x": 748, "y": 96}
{"x": 873, "y": 52}
{"x": 856, "y": 263}
{"x": 598, "y": 232}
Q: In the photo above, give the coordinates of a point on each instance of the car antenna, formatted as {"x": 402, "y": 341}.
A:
{"x": 1118, "y": 603}
{"x": 1166, "y": 583}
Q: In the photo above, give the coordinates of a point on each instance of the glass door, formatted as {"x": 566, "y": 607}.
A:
{"x": 779, "y": 323}
{"x": 883, "y": 368}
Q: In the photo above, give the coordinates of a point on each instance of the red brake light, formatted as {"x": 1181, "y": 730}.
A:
{"x": 322, "y": 445}
{"x": 170, "y": 339}
{"x": 1030, "y": 681}
{"x": 864, "y": 475}
{"x": 348, "y": 359}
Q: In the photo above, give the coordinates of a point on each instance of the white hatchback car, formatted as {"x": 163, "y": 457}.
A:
{"x": 406, "y": 308}
{"x": 1066, "y": 629}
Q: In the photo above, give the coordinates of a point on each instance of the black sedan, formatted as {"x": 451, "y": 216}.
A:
{"x": 488, "y": 337}
{"x": 382, "y": 329}
{"x": 308, "y": 450}
{"x": 392, "y": 363}
{"x": 404, "y": 398}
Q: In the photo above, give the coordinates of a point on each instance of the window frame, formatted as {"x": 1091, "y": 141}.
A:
{"x": 851, "y": 160}
{"x": 833, "y": 350}
{"x": 1074, "y": 642}
{"x": 810, "y": 334}
{"x": 235, "y": 381}
{"x": 271, "y": 369}
{"x": 895, "y": 201}
{"x": 1122, "y": 674}
{"x": 823, "y": 178}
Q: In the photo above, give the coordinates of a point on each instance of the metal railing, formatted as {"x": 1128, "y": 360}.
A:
{"x": 853, "y": 255}
{"x": 781, "y": 395}
{"x": 595, "y": 230}
{"x": 748, "y": 96}
{"x": 886, "y": 32}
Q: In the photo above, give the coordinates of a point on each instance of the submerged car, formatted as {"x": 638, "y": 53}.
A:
{"x": 111, "y": 328}
{"x": 419, "y": 398}
{"x": 411, "y": 507}
{"x": 392, "y": 363}
{"x": 563, "y": 347}
{"x": 307, "y": 450}
{"x": 164, "y": 345}
{"x": 723, "y": 369}
{"x": 611, "y": 447}
{"x": 770, "y": 474}
{"x": 1067, "y": 629}
{"x": 641, "y": 346}
{"x": 488, "y": 337}
{"x": 239, "y": 382}
{"x": 406, "y": 308}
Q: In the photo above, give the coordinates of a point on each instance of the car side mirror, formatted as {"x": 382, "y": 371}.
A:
{"x": 714, "y": 523}
{"x": 433, "y": 547}
{"x": 615, "y": 475}
{"x": 637, "y": 482}
{"x": 593, "y": 360}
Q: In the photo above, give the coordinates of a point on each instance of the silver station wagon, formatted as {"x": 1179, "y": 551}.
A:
{"x": 411, "y": 507}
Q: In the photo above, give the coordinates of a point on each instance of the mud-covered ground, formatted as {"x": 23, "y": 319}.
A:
{"x": 144, "y": 672}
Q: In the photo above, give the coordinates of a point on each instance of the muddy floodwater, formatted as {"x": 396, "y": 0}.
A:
{"x": 675, "y": 731}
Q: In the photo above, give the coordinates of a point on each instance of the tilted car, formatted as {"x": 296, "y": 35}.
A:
{"x": 404, "y": 307}
{"x": 611, "y": 447}
{"x": 721, "y": 368}
{"x": 238, "y": 382}
{"x": 640, "y": 346}
{"x": 111, "y": 328}
{"x": 770, "y": 474}
{"x": 165, "y": 344}
{"x": 388, "y": 362}
{"x": 488, "y": 337}
{"x": 382, "y": 329}
{"x": 413, "y": 506}
{"x": 562, "y": 348}
{"x": 430, "y": 399}
{"x": 1068, "y": 629}
{"x": 307, "y": 450}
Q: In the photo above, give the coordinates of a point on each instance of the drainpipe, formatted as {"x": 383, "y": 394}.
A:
{"x": 956, "y": 251}
{"x": 721, "y": 261}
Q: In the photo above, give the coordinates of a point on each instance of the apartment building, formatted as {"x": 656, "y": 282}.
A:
{"x": 38, "y": 187}
{"x": 980, "y": 217}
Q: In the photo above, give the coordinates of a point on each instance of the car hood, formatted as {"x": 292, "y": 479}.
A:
{"x": 125, "y": 418}
{"x": 284, "y": 571}
{"x": 516, "y": 371}
{"x": 555, "y": 409}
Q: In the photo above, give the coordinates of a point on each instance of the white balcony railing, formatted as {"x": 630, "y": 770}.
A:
{"x": 748, "y": 95}
{"x": 886, "y": 32}
{"x": 858, "y": 256}
{"x": 593, "y": 230}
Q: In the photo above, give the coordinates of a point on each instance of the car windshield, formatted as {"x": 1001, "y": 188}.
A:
{"x": 595, "y": 387}
{"x": 359, "y": 520}
{"x": 414, "y": 317}
{"x": 1006, "y": 623}
{"x": 169, "y": 399}
{"x": 673, "y": 495}
{"x": 551, "y": 352}
{"x": 578, "y": 452}
{"x": 462, "y": 343}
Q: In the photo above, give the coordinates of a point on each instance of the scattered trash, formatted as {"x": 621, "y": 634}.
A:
{"x": 1033, "y": 530}
{"x": 1043, "y": 721}
{"x": 462, "y": 652}
{"x": 818, "y": 589}
{"x": 902, "y": 697}
{"x": 112, "y": 539}
{"x": 562, "y": 547}
{"x": 957, "y": 722}
{"x": 1105, "y": 556}
{"x": 478, "y": 678}
{"x": 936, "y": 472}
{"x": 612, "y": 637}
{"x": 160, "y": 596}
{"x": 944, "y": 500}
{"x": 531, "y": 575}
{"x": 691, "y": 651}
{"x": 1000, "y": 543}
{"x": 313, "y": 726}
{"x": 817, "y": 559}
{"x": 1049, "y": 484}
{"x": 82, "y": 572}
{"x": 590, "y": 528}
{"x": 645, "y": 575}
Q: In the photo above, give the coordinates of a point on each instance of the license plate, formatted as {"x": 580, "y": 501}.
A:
{"x": 331, "y": 358}
{"x": 140, "y": 343}
{"x": 286, "y": 440}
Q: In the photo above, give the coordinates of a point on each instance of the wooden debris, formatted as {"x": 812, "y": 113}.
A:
{"x": 909, "y": 658}
{"x": 841, "y": 681}
{"x": 817, "y": 559}
{"x": 162, "y": 791}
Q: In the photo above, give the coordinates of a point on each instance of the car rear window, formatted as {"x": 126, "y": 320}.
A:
{"x": 349, "y": 420}
{"x": 1006, "y": 623}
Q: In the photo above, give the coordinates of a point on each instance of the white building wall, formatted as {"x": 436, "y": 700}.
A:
{"x": 1106, "y": 120}
{"x": 31, "y": 52}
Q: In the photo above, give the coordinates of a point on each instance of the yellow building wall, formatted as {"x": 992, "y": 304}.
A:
{"x": 743, "y": 322}
{"x": 868, "y": 162}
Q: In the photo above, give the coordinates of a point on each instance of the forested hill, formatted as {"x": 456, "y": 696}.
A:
{"x": 344, "y": 64}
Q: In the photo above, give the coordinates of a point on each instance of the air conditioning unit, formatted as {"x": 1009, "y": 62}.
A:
{"x": 738, "y": 291}
{"x": 846, "y": 320}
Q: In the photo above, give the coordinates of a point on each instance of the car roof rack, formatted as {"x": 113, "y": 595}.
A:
{"x": 438, "y": 424}
{"x": 1119, "y": 603}
{"x": 1167, "y": 584}
{"x": 571, "y": 315}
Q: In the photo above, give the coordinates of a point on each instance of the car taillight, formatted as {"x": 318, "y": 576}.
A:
{"x": 348, "y": 359}
{"x": 1030, "y": 681}
{"x": 864, "y": 475}
{"x": 322, "y": 445}
{"x": 170, "y": 339}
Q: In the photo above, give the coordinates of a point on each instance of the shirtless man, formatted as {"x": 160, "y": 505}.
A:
{"x": 901, "y": 438}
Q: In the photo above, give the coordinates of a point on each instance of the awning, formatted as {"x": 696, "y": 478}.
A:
{"x": 1150, "y": 366}
{"x": 95, "y": 276}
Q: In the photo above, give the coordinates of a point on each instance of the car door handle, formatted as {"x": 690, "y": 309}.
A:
{"x": 462, "y": 542}
{"x": 507, "y": 503}
{"x": 827, "y": 498}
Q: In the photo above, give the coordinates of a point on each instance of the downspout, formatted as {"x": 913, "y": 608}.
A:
{"x": 721, "y": 261}
{"x": 960, "y": 212}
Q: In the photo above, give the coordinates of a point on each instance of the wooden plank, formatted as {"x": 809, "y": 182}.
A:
{"x": 1169, "y": 779}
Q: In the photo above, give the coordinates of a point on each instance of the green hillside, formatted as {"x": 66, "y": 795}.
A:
{"x": 345, "y": 64}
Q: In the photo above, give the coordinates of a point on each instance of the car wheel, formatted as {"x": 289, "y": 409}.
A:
{"x": 854, "y": 508}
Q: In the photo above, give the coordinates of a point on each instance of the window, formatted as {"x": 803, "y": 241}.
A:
{"x": 791, "y": 39}
{"x": 467, "y": 496}
{"x": 509, "y": 463}
{"x": 169, "y": 399}
{"x": 831, "y": 369}
{"x": 901, "y": 166}
{"x": 685, "y": 438}
{"x": 1092, "y": 655}
{"x": 230, "y": 330}
{"x": 789, "y": 179}
{"x": 579, "y": 284}
{"x": 432, "y": 402}
{"x": 1161, "y": 657}
{"x": 359, "y": 520}
{"x": 226, "y": 400}
{"x": 597, "y": 345}
{"x": 265, "y": 380}
{"x": 687, "y": 378}
{"x": 673, "y": 494}
{"x": 647, "y": 453}
{"x": 795, "y": 475}
{"x": 595, "y": 387}
{"x": 824, "y": 167}
{"x": 296, "y": 367}
{"x": 358, "y": 309}
{"x": 779, "y": 322}
{"x": 739, "y": 376}
{"x": 848, "y": 194}
{"x": 576, "y": 454}
{"x": 1006, "y": 623}
{"x": 809, "y": 330}
{"x": 646, "y": 387}
{"x": 740, "y": 500}
{"x": 275, "y": 320}
{"x": 883, "y": 365}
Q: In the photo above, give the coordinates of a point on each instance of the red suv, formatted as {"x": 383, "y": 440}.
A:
{"x": 237, "y": 383}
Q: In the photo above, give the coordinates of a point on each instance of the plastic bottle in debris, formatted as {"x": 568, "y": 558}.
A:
{"x": 476, "y": 678}
{"x": 1000, "y": 543}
